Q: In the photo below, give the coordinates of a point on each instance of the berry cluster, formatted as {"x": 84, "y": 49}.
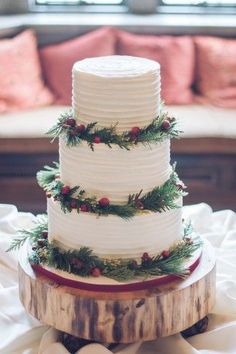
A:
{"x": 74, "y": 128}
{"x": 78, "y": 130}
{"x": 147, "y": 259}
{"x": 75, "y": 203}
{"x": 78, "y": 265}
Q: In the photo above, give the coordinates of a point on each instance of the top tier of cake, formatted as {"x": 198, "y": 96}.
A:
{"x": 116, "y": 89}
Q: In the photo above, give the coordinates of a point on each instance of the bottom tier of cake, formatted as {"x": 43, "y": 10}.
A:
{"x": 86, "y": 264}
{"x": 113, "y": 237}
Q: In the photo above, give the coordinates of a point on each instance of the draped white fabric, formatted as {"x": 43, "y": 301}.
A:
{"x": 22, "y": 334}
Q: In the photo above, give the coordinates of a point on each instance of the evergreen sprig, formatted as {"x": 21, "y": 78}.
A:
{"x": 83, "y": 261}
{"x": 79, "y": 262}
{"x": 41, "y": 224}
{"x": 160, "y": 199}
{"x": 46, "y": 178}
{"x": 161, "y": 128}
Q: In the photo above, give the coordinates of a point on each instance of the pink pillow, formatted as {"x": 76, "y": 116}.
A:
{"x": 176, "y": 56}
{"x": 216, "y": 70}
{"x": 57, "y": 60}
{"x": 21, "y": 86}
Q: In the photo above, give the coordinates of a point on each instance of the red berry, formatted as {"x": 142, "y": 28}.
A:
{"x": 165, "y": 254}
{"x": 165, "y": 125}
{"x": 139, "y": 204}
{"x": 145, "y": 257}
{"x": 96, "y": 272}
{"x": 133, "y": 138}
{"x": 74, "y": 204}
{"x": 84, "y": 208}
{"x": 81, "y": 128}
{"x": 97, "y": 139}
{"x": 45, "y": 234}
{"x": 104, "y": 202}
{"x": 41, "y": 242}
{"x": 71, "y": 122}
{"x": 135, "y": 131}
{"x": 65, "y": 190}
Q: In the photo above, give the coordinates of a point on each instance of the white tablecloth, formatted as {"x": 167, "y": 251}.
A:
{"x": 22, "y": 334}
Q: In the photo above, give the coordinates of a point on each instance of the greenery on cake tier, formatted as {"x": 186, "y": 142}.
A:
{"x": 159, "y": 199}
{"x": 84, "y": 262}
{"x": 161, "y": 128}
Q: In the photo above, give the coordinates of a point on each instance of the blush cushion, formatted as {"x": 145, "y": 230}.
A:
{"x": 57, "y": 60}
{"x": 216, "y": 71}
{"x": 176, "y": 57}
{"x": 21, "y": 85}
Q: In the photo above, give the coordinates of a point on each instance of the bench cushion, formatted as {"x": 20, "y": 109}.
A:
{"x": 21, "y": 85}
{"x": 176, "y": 57}
{"x": 216, "y": 70}
{"x": 58, "y": 59}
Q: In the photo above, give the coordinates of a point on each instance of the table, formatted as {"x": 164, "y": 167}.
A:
{"x": 22, "y": 334}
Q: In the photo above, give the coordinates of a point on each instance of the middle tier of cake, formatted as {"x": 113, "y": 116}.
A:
{"x": 115, "y": 173}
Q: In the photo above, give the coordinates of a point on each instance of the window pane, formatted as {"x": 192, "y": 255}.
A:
{"x": 74, "y": 2}
{"x": 200, "y": 2}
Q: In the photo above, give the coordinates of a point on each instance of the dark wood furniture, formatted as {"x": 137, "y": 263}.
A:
{"x": 206, "y": 165}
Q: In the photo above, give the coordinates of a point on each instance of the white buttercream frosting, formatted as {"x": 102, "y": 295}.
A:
{"x": 111, "y": 236}
{"x": 114, "y": 172}
{"x": 125, "y": 91}
{"x": 116, "y": 89}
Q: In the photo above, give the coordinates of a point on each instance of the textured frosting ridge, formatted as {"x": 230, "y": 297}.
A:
{"x": 114, "y": 172}
{"x": 111, "y": 236}
{"x": 116, "y": 89}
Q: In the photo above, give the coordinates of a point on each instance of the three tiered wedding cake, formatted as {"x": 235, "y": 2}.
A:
{"x": 122, "y": 92}
{"x": 114, "y": 201}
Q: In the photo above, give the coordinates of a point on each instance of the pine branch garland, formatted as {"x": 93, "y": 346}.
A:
{"x": 160, "y": 199}
{"x": 73, "y": 134}
{"x": 82, "y": 262}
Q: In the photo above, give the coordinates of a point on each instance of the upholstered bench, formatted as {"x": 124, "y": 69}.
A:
{"x": 205, "y": 154}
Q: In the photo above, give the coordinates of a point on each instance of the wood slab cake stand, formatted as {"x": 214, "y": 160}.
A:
{"x": 120, "y": 317}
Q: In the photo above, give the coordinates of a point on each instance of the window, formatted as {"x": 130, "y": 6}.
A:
{"x": 166, "y": 6}
{"x": 198, "y": 6}
{"x": 78, "y": 2}
{"x": 107, "y": 6}
{"x": 117, "y": 2}
{"x": 201, "y": 2}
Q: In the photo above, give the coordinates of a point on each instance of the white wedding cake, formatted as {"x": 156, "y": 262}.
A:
{"x": 114, "y": 200}
{"x": 125, "y": 91}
